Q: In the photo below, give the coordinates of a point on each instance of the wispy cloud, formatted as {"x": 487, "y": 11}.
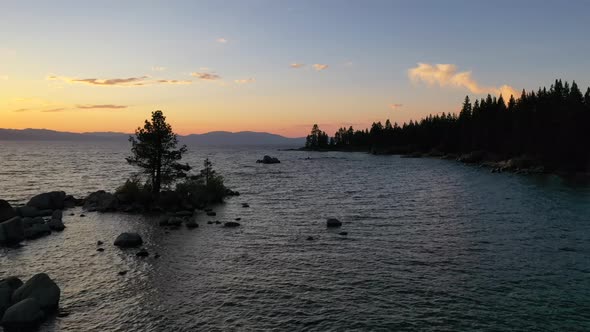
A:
{"x": 245, "y": 81}
{"x": 296, "y": 65}
{"x": 206, "y": 76}
{"x": 129, "y": 82}
{"x": 158, "y": 68}
{"x": 174, "y": 81}
{"x": 445, "y": 75}
{"x": 20, "y": 110}
{"x": 221, "y": 40}
{"x": 101, "y": 106}
{"x": 54, "y": 110}
{"x": 320, "y": 67}
{"x": 395, "y": 106}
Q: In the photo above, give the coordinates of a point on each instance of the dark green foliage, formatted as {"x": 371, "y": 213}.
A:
{"x": 207, "y": 187}
{"x": 133, "y": 191}
{"x": 154, "y": 150}
{"x": 317, "y": 139}
{"x": 550, "y": 125}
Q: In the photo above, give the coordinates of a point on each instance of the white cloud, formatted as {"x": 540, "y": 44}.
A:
{"x": 206, "y": 76}
{"x": 445, "y": 75}
{"x": 296, "y": 65}
{"x": 222, "y": 40}
{"x": 320, "y": 67}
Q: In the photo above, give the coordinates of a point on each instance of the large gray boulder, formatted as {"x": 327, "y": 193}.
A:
{"x": 12, "y": 231}
{"x": 128, "y": 240}
{"x": 23, "y": 315}
{"x": 41, "y": 288}
{"x": 6, "y": 210}
{"x": 7, "y": 287}
{"x": 48, "y": 201}
{"x": 101, "y": 201}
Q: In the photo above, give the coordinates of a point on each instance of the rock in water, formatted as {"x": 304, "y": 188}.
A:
{"x": 56, "y": 225}
{"x": 174, "y": 221}
{"x": 231, "y": 224}
{"x": 268, "y": 160}
{"x": 128, "y": 240}
{"x": 48, "y": 201}
{"x": 6, "y": 211}
{"x": 142, "y": 253}
{"x": 28, "y": 211}
{"x": 333, "y": 222}
{"x": 22, "y": 315}
{"x": 7, "y": 287}
{"x": 57, "y": 215}
{"x": 41, "y": 288}
{"x": 191, "y": 224}
{"x": 12, "y": 231}
{"x": 211, "y": 214}
{"x": 101, "y": 201}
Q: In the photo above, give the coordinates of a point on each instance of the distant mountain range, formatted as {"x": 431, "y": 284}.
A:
{"x": 211, "y": 138}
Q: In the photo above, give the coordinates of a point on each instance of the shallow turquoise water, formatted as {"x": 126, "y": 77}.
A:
{"x": 432, "y": 245}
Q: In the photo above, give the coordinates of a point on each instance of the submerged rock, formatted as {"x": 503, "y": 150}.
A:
{"x": 142, "y": 253}
{"x": 231, "y": 224}
{"x": 41, "y": 288}
{"x": 268, "y": 160}
{"x": 128, "y": 240}
{"x": 191, "y": 224}
{"x": 245, "y": 205}
{"x": 211, "y": 214}
{"x": 175, "y": 221}
{"x": 333, "y": 222}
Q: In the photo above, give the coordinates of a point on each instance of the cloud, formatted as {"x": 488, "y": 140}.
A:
{"x": 174, "y": 81}
{"x": 296, "y": 65}
{"x": 142, "y": 80}
{"x": 395, "y": 106}
{"x": 445, "y": 75}
{"x": 158, "y": 68}
{"x": 319, "y": 66}
{"x": 131, "y": 81}
{"x": 206, "y": 76}
{"x": 245, "y": 81}
{"x": 21, "y": 110}
{"x": 53, "y": 110}
{"x": 103, "y": 106}
{"x": 221, "y": 40}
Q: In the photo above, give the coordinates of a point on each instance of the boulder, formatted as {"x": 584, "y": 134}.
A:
{"x": 12, "y": 231}
{"x": 57, "y": 215}
{"x": 191, "y": 224}
{"x": 128, "y": 240}
{"x": 39, "y": 230}
{"x": 333, "y": 222}
{"x": 231, "y": 224}
{"x": 7, "y": 287}
{"x": 48, "y": 201}
{"x": 28, "y": 211}
{"x": 175, "y": 221}
{"x": 23, "y": 315}
{"x": 268, "y": 160}
{"x": 70, "y": 202}
{"x": 41, "y": 288}
{"x": 6, "y": 211}
{"x": 101, "y": 201}
{"x": 56, "y": 225}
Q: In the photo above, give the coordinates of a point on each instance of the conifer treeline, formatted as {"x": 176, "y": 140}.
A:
{"x": 550, "y": 125}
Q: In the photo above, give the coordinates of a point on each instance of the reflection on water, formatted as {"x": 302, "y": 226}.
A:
{"x": 431, "y": 245}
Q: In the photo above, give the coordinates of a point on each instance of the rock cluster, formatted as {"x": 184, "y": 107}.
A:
{"x": 23, "y": 306}
{"x": 268, "y": 160}
{"x": 42, "y": 215}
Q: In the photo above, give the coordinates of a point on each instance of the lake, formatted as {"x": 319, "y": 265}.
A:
{"x": 432, "y": 245}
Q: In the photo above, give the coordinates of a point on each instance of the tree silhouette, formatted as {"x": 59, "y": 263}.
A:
{"x": 154, "y": 150}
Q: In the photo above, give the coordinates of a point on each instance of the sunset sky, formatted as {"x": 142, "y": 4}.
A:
{"x": 275, "y": 66}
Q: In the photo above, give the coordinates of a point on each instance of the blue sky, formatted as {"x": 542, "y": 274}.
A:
{"x": 368, "y": 47}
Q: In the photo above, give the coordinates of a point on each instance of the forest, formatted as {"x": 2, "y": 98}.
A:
{"x": 550, "y": 126}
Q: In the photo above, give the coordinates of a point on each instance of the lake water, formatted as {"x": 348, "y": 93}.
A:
{"x": 432, "y": 245}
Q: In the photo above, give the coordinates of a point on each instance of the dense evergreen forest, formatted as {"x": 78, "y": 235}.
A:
{"x": 550, "y": 126}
